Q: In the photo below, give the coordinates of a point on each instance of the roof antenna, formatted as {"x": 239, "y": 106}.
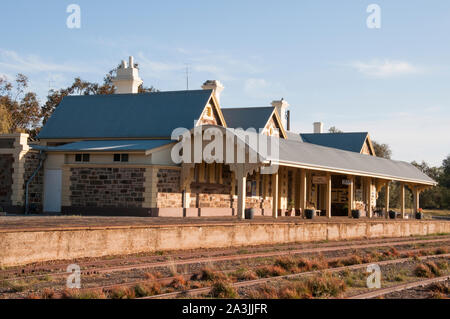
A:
{"x": 187, "y": 76}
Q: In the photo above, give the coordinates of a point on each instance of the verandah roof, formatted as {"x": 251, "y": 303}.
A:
{"x": 330, "y": 159}
{"x": 108, "y": 146}
{"x": 316, "y": 157}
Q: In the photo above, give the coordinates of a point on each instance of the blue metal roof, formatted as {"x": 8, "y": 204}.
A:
{"x": 125, "y": 115}
{"x": 344, "y": 141}
{"x": 110, "y": 145}
{"x": 247, "y": 117}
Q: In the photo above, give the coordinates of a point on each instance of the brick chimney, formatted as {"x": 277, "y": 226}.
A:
{"x": 214, "y": 85}
{"x": 318, "y": 127}
{"x": 127, "y": 79}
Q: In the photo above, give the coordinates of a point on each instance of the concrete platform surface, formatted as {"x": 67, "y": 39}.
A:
{"x": 24, "y": 223}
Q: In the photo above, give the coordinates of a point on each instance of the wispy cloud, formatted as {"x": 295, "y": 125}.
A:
{"x": 261, "y": 88}
{"x": 15, "y": 62}
{"x": 385, "y": 68}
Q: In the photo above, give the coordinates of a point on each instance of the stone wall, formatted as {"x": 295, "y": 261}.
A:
{"x": 36, "y": 187}
{"x": 6, "y": 179}
{"x": 107, "y": 187}
{"x": 168, "y": 186}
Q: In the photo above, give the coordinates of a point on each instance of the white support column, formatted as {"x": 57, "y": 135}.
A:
{"x": 402, "y": 199}
{"x": 303, "y": 191}
{"x": 369, "y": 197}
{"x": 350, "y": 195}
{"x": 387, "y": 199}
{"x": 328, "y": 197}
{"x": 416, "y": 193}
{"x": 275, "y": 195}
{"x": 242, "y": 181}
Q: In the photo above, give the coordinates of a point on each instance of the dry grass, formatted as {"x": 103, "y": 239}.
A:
{"x": 244, "y": 274}
{"x": 178, "y": 283}
{"x": 270, "y": 271}
{"x": 320, "y": 286}
{"x": 208, "y": 274}
{"x": 80, "y": 294}
{"x": 223, "y": 289}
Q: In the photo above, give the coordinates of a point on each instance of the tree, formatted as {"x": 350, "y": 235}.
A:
{"x": 21, "y": 108}
{"x": 5, "y": 120}
{"x": 382, "y": 150}
{"x": 334, "y": 129}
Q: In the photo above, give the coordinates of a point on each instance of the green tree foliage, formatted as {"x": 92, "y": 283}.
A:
{"x": 382, "y": 150}
{"x": 334, "y": 129}
{"x": 5, "y": 120}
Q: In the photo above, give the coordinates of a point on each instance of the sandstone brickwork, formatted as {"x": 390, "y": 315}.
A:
{"x": 6, "y": 179}
{"x": 107, "y": 187}
{"x": 168, "y": 188}
{"x": 36, "y": 187}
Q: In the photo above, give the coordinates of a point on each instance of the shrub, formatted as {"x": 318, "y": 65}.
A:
{"x": 178, "y": 283}
{"x": 223, "y": 289}
{"x": 423, "y": 271}
{"x": 207, "y": 274}
{"x": 122, "y": 293}
{"x": 244, "y": 274}
{"x": 324, "y": 285}
{"x": 434, "y": 268}
{"x": 304, "y": 264}
{"x": 264, "y": 292}
{"x": 286, "y": 263}
{"x": 270, "y": 271}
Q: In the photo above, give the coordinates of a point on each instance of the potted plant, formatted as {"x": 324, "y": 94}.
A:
{"x": 419, "y": 214}
{"x": 392, "y": 214}
{"x": 249, "y": 213}
{"x": 310, "y": 211}
{"x": 356, "y": 213}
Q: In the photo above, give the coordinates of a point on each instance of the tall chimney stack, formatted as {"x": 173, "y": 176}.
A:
{"x": 318, "y": 128}
{"x": 214, "y": 85}
{"x": 127, "y": 79}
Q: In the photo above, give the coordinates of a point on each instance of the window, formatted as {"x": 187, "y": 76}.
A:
{"x": 82, "y": 157}
{"x": 120, "y": 157}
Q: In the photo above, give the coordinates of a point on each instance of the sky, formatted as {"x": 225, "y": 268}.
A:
{"x": 320, "y": 56}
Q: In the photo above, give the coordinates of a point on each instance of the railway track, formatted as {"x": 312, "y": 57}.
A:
{"x": 62, "y": 266}
{"x": 401, "y": 287}
{"x": 172, "y": 263}
{"x": 205, "y": 290}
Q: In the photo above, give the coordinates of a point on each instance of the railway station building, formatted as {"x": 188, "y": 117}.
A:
{"x": 113, "y": 155}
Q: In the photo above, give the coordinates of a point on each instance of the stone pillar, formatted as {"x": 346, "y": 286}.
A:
{"x": 21, "y": 148}
{"x": 275, "y": 195}
{"x": 151, "y": 187}
{"x": 303, "y": 191}
{"x": 328, "y": 196}
{"x": 387, "y": 199}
